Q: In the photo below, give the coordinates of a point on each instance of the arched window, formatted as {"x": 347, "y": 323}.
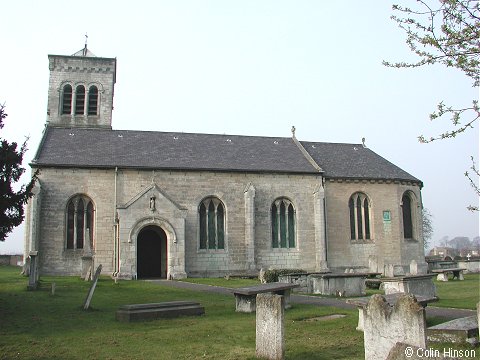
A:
{"x": 80, "y": 100}
{"x": 92, "y": 100}
{"x": 212, "y": 224}
{"x": 359, "y": 207}
{"x": 80, "y": 222}
{"x": 67, "y": 99}
{"x": 407, "y": 212}
{"x": 283, "y": 224}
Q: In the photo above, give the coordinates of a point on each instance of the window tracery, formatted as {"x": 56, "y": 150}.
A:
{"x": 283, "y": 223}
{"x": 80, "y": 222}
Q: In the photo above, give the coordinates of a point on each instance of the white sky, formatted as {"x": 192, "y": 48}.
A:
{"x": 251, "y": 68}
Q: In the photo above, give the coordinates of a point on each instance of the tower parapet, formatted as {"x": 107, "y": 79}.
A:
{"x": 81, "y": 89}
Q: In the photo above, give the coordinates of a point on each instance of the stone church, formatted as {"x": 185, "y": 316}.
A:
{"x": 170, "y": 205}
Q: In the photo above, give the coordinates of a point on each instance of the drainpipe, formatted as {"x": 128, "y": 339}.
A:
{"x": 115, "y": 228}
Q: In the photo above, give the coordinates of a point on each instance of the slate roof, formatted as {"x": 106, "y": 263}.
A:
{"x": 354, "y": 161}
{"x": 104, "y": 148}
{"x": 164, "y": 150}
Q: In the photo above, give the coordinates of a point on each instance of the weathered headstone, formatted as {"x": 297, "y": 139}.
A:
{"x": 88, "y": 275}
{"x": 53, "y": 289}
{"x": 413, "y": 268}
{"x": 33, "y": 272}
{"x": 270, "y": 340}
{"x": 86, "y": 305}
{"x": 261, "y": 276}
{"x": 384, "y": 325}
{"x": 389, "y": 270}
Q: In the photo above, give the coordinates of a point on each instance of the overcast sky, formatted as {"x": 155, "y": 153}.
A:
{"x": 251, "y": 68}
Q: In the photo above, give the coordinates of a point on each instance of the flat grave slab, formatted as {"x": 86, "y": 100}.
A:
{"x": 246, "y": 297}
{"x": 455, "y": 331}
{"x": 339, "y": 284}
{"x": 442, "y": 274}
{"x": 153, "y": 311}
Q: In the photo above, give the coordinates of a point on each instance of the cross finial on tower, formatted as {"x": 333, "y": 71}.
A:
{"x": 293, "y": 131}
{"x": 85, "y": 48}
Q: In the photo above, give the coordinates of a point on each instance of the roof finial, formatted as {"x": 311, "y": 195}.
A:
{"x": 363, "y": 142}
{"x": 293, "y": 131}
{"x": 85, "y": 48}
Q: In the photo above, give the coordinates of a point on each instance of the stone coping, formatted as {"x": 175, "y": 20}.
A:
{"x": 263, "y": 288}
{"x": 441, "y": 271}
{"x": 408, "y": 277}
{"x": 306, "y": 273}
{"x": 391, "y": 299}
{"x": 343, "y": 275}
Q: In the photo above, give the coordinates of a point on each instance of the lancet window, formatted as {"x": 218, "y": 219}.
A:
{"x": 80, "y": 222}
{"x": 283, "y": 223}
{"x": 212, "y": 224}
{"x": 80, "y": 101}
{"x": 67, "y": 99}
{"x": 92, "y": 100}
{"x": 359, "y": 207}
{"x": 408, "y": 215}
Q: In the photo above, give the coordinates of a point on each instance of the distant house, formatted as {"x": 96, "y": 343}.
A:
{"x": 469, "y": 253}
{"x": 170, "y": 205}
{"x": 445, "y": 253}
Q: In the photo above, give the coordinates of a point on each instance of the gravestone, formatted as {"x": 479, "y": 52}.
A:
{"x": 385, "y": 325}
{"x": 88, "y": 275}
{"x": 461, "y": 330}
{"x": 413, "y": 268}
{"x": 419, "y": 285}
{"x": 373, "y": 263}
{"x": 261, "y": 276}
{"x": 86, "y": 305}
{"x": 389, "y": 270}
{"x": 33, "y": 271}
{"x": 270, "y": 329}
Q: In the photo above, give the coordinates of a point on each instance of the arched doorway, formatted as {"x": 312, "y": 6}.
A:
{"x": 152, "y": 253}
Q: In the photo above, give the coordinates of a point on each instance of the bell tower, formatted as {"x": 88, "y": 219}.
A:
{"x": 80, "y": 92}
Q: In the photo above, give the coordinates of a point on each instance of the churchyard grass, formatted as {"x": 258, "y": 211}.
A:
{"x": 453, "y": 293}
{"x": 459, "y": 294}
{"x": 37, "y": 325}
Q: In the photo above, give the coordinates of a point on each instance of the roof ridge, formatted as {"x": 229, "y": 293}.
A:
{"x": 171, "y": 132}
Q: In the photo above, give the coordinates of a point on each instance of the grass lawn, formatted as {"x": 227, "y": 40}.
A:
{"x": 37, "y": 325}
{"x": 459, "y": 294}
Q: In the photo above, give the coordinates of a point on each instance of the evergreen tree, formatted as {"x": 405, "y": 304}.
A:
{"x": 12, "y": 202}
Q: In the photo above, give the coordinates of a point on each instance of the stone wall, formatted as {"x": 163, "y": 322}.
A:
{"x": 471, "y": 266}
{"x": 247, "y": 198}
{"x": 185, "y": 189}
{"x": 13, "y": 260}
{"x": 387, "y": 245}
